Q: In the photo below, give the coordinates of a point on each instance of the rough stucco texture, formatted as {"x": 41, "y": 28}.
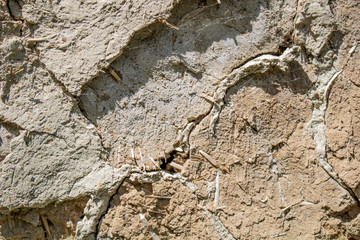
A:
{"x": 179, "y": 119}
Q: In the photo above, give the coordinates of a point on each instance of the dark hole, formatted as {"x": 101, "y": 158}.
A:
{"x": 50, "y": 223}
{"x": 27, "y": 140}
{"x": 202, "y": 3}
{"x": 165, "y": 161}
{"x": 281, "y": 50}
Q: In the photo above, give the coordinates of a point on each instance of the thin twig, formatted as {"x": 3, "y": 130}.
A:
{"x": 142, "y": 161}
{"x": 221, "y": 207}
{"x": 176, "y": 165}
{"x": 217, "y": 189}
{"x": 264, "y": 200}
{"x": 278, "y": 235}
{"x": 154, "y": 162}
{"x": 179, "y": 149}
{"x": 209, "y": 158}
{"x": 294, "y": 204}
{"x": 46, "y": 225}
{"x": 132, "y": 153}
{"x": 18, "y": 71}
{"x": 133, "y": 156}
{"x": 331, "y": 83}
{"x": 167, "y": 23}
{"x": 114, "y": 74}
{"x": 159, "y": 197}
{"x": 207, "y": 98}
{"x": 353, "y": 48}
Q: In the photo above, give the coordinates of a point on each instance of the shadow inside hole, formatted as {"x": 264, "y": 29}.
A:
{"x": 166, "y": 161}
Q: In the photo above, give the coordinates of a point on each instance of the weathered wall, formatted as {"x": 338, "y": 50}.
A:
{"x": 179, "y": 119}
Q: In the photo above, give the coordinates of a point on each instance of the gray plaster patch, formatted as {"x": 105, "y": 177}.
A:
{"x": 166, "y": 72}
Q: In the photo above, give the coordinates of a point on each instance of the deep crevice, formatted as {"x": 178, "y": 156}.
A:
{"x": 108, "y": 207}
{"x": 76, "y": 101}
{"x": 202, "y": 3}
{"x": 343, "y": 185}
{"x": 9, "y": 9}
{"x": 12, "y": 15}
{"x": 83, "y": 112}
{"x": 58, "y": 82}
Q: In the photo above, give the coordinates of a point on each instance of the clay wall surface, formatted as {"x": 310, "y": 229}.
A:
{"x": 179, "y": 119}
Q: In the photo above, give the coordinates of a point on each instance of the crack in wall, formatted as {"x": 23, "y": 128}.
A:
{"x": 83, "y": 113}
{"x": 58, "y": 82}
{"x": 9, "y": 9}
{"x": 108, "y": 207}
{"x": 320, "y": 98}
{"x": 27, "y": 132}
{"x": 259, "y": 64}
{"x": 183, "y": 139}
{"x": 12, "y": 124}
{"x": 98, "y": 205}
{"x": 76, "y": 103}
